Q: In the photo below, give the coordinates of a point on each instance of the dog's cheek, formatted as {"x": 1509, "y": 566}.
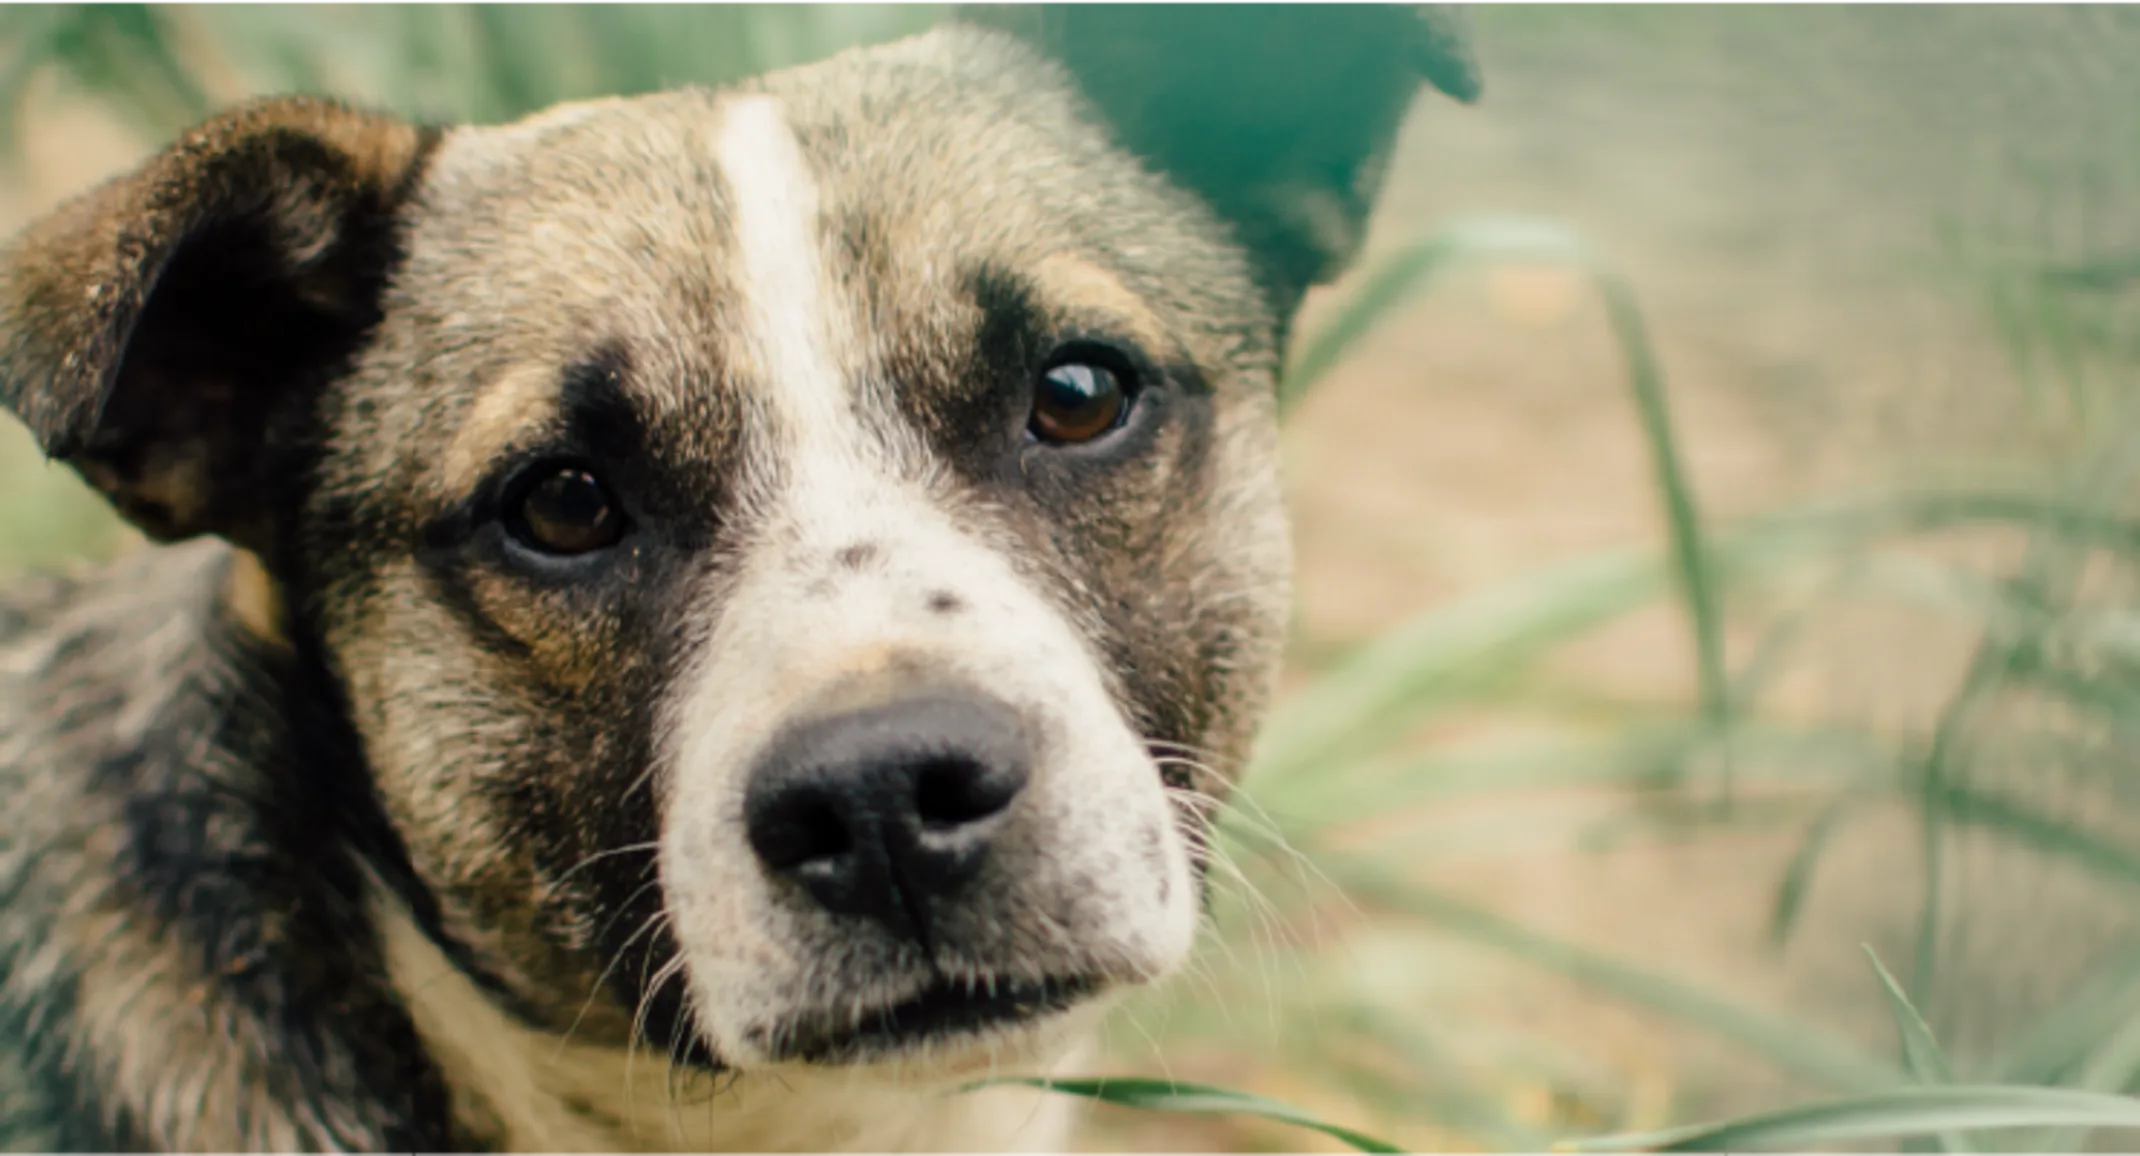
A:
{"x": 1184, "y": 554}
{"x": 512, "y": 796}
{"x": 1234, "y": 562}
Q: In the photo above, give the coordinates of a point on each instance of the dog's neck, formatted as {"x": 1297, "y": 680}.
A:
{"x": 187, "y": 960}
{"x": 524, "y": 1090}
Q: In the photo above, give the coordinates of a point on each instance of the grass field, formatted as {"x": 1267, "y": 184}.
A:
{"x": 1715, "y": 500}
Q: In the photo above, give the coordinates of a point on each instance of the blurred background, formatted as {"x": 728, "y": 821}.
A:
{"x": 1556, "y": 833}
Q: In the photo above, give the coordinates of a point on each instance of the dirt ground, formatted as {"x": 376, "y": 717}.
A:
{"x": 1777, "y": 184}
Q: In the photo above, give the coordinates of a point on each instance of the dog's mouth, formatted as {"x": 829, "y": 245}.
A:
{"x": 943, "y": 1011}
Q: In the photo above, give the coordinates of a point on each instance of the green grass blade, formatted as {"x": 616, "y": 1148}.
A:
{"x": 1866, "y": 517}
{"x": 1412, "y": 270}
{"x": 1788, "y": 1045}
{"x": 1887, "y": 1115}
{"x": 2090, "y": 1041}
{"x": 1439, "y": 657}
{"x": 1959, "y": 803}
{"x": 1198, "y": 1099}
{"x": 1349, "y": 709}
{"x": 1435, "y": 1088}
{"x": 1797, "y": 878}
{"x": 1417, "y": 267}
{"x": 1632, "y": 754}
{"x": 1698, "y": 583}
{"x": 1921, "y": 1053}
{"x": 2064, "y": 1035}
{"x": 2048, "y": 577}
{"x": 2112, "y": 1068}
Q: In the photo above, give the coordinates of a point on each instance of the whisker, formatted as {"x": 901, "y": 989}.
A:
{"x": 633, "y": 849}
{"x": 595, "y": 990}
{"x": 637, "y": 1036}
{"x": 662, "y": 976}
{"x": 1217, "y": 821}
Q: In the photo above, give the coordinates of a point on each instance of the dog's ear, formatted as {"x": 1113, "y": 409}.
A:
{"x": 1280, "y": 116}
{"x": 162, "y": 332}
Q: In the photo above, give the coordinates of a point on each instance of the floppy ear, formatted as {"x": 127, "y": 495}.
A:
{"x": 164, "y": 332}
{"x": 1278, "y": 115}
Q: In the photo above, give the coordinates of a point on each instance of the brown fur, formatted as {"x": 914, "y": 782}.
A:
{"x": 95, "y": 360}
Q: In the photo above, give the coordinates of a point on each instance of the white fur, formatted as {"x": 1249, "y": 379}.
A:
{"x": 523, "y": 1079}
{"x": 801, "y": 350}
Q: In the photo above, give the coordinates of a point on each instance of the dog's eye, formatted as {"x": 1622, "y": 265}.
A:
{"x": 1080, "y": 396}
{"x": 563, "y": 510}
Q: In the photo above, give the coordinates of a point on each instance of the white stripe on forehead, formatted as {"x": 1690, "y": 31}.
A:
{"x": 799, "y": 338}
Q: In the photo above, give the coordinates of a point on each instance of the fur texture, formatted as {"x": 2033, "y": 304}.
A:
{"x": 350, "y": 820}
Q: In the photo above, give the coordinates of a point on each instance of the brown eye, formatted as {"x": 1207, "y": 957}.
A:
{"x": 564, "y": 510}
{"x": 1077, "y": 401}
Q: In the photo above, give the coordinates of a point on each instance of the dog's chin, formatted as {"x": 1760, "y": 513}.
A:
{"x": 948, "y": 1027}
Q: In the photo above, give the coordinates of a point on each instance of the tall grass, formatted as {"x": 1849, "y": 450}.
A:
{"x": 162, "y": 67}
{"x": 1326, "y": 920}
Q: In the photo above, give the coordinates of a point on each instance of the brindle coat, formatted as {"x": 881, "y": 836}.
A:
{"x": 342, "y": 821}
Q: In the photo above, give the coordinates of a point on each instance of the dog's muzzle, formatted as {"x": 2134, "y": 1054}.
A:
{"x": 889, "y": 815}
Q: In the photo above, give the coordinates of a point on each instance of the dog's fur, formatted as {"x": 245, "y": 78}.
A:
{"x": 340, "y": 821}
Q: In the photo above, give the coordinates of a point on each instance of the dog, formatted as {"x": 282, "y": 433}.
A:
{"x": 714, "y": 619}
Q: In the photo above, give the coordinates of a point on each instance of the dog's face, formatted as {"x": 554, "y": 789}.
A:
{"x": 810, "y": 542}
{"x": 788, "y": 552}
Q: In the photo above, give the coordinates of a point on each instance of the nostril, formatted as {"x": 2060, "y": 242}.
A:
{"x": 798, "y": 830}
{"x": 953, "y": 792}
{"x": 888, "y": 811}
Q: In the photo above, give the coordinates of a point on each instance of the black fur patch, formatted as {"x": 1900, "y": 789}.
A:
{"x": 232, "y": 828}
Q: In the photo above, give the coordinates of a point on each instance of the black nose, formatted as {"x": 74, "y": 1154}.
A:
{"x": 887, "y": 812}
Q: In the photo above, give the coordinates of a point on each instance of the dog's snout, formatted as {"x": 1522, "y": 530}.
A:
{"x": 887, "y": 812}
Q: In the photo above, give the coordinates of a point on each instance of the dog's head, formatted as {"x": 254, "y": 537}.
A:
{"x": 784, "y": 550}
